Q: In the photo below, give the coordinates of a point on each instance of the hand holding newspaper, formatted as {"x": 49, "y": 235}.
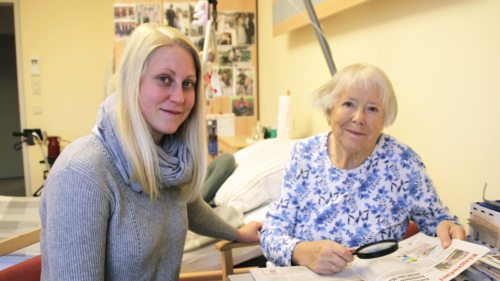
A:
{"x": 419, "y": 258}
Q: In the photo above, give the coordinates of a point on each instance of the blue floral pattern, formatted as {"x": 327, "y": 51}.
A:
{"x": 352, "y": 207}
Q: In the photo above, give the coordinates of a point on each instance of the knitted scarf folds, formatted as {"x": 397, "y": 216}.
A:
{"x": 176, "y": 163}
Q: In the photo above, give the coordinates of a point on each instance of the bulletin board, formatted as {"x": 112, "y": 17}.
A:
{"x": 292, "y": 14}
{"x": 236, "y": 39}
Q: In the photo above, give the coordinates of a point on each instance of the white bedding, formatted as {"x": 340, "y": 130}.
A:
{"x": 257, "y": 178}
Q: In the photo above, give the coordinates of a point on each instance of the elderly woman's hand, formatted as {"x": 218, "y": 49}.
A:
{"x": 447, "y": 230}
{"x": 323, "y": 257}
{"x": 249, "y": 232}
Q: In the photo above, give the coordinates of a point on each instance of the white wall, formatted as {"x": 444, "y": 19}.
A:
{"x": 443, "y": 59}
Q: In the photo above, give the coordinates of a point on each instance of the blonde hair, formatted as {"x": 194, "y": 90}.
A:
{"x": 361, "y": 75}
{"x": 135, "y": 133}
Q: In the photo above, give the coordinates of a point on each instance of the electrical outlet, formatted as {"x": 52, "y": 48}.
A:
{"x": 28, "y": 134}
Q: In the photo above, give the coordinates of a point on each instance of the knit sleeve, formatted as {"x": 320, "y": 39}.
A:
{"x": 74, "y": 213}
{"x": 203, "y": 220}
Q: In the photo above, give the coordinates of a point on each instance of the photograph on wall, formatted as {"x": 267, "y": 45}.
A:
{"x": 148, "y": 12}
{"x": 177, "y": 15}
{"x": 195, "y": 30}
{"x": 225, "y": 21}
{"x": 240, "y": 56}
{"x": 234, "y": 56}
{"x": 244, "y": 78}
{"x": 123, "y": 29}
{"x": 124, "y": 19}
{"x": 198, "y": 41}
{"x": 226, "y": 37}
{"x": 226, "y": 81}
{"x": 124, "y": 12}
{"x": 224, "y": 55}
{"x": 243, "y": 106}
{"x": 245, "y": 28}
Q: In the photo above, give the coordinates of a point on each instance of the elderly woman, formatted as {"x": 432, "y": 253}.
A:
{"x": 353, "y": 185}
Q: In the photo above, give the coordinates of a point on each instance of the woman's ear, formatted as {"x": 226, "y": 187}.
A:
{"x": 328, "y": 112}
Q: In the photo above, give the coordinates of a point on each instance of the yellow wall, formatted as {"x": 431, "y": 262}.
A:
{"x": 74, "y": 41}
{"x": 443, "y": 59}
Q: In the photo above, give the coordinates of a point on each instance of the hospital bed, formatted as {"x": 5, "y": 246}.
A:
{"x": 252, "y": 186}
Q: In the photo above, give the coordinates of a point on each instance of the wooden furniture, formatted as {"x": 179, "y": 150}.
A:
{"x": 243, "y": 125}
{"x": 288, "y": 16}
{"x": 20, "y": 241}
{"x": 225, "y": 248}
{"x": 30, "y": 269}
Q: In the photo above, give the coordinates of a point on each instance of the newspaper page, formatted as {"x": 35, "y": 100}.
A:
{"x": 301, "y": 273}
{"x": 421, "y": 258}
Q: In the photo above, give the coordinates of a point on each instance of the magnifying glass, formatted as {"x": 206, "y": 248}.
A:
{"x": 376, "y": 249}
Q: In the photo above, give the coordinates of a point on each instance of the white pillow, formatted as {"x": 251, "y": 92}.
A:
{"x": 258, "y": 175}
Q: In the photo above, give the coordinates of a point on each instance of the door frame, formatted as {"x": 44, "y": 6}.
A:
{"x": 20, "y": 89}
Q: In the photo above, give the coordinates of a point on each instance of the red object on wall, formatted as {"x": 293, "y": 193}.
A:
{"x": 54, "y": 149}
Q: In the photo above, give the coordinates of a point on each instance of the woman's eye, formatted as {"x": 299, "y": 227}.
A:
{"x": 188, "y": 84}
{"x": 373, "y": 109}
{"x": 165, "y": 79}
{"x": 348, "y": 104}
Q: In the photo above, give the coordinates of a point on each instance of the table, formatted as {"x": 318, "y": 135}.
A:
{"x": 241, "y": 277}
{"x": 248, "y": 277}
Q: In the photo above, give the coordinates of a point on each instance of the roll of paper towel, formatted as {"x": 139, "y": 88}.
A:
{"x": 285, "y": 117}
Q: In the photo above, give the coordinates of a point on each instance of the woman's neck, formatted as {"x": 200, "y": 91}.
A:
{"x": 343, "y": 159}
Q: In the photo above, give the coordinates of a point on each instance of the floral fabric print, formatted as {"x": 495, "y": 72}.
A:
{"x": 352, "y": 207}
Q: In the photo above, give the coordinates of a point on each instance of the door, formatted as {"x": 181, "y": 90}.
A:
{"x": 11, "y": 160}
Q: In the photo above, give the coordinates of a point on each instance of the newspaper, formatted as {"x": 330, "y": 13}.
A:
{"x": 301, "y": 273}
{"x": 487, "y": 268}
{"x": 419, "y": 258}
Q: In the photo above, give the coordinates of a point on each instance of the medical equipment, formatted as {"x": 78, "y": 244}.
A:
{"x": 35, "y": 137}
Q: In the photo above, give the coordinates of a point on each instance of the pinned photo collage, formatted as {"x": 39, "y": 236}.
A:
{"x": 235, "y": 39}
{"x": 235, "y": 33}
{"x": 174, "y": 14}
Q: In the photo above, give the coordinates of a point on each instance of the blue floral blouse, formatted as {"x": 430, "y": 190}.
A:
{"x": 352, "y": 207}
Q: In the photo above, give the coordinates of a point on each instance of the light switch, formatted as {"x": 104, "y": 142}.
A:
{"x": 36, "y": 86}
{"x": 35, "y": 66}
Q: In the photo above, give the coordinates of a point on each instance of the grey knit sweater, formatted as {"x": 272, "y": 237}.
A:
{"x": 95, "y": 226}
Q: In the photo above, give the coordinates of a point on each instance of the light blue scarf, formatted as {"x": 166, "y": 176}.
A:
{"x": 176, "y": 163}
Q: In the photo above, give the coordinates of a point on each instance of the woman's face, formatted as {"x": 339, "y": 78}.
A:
{"x": 167, "y": 90}
{"x": 356, "y": 120}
